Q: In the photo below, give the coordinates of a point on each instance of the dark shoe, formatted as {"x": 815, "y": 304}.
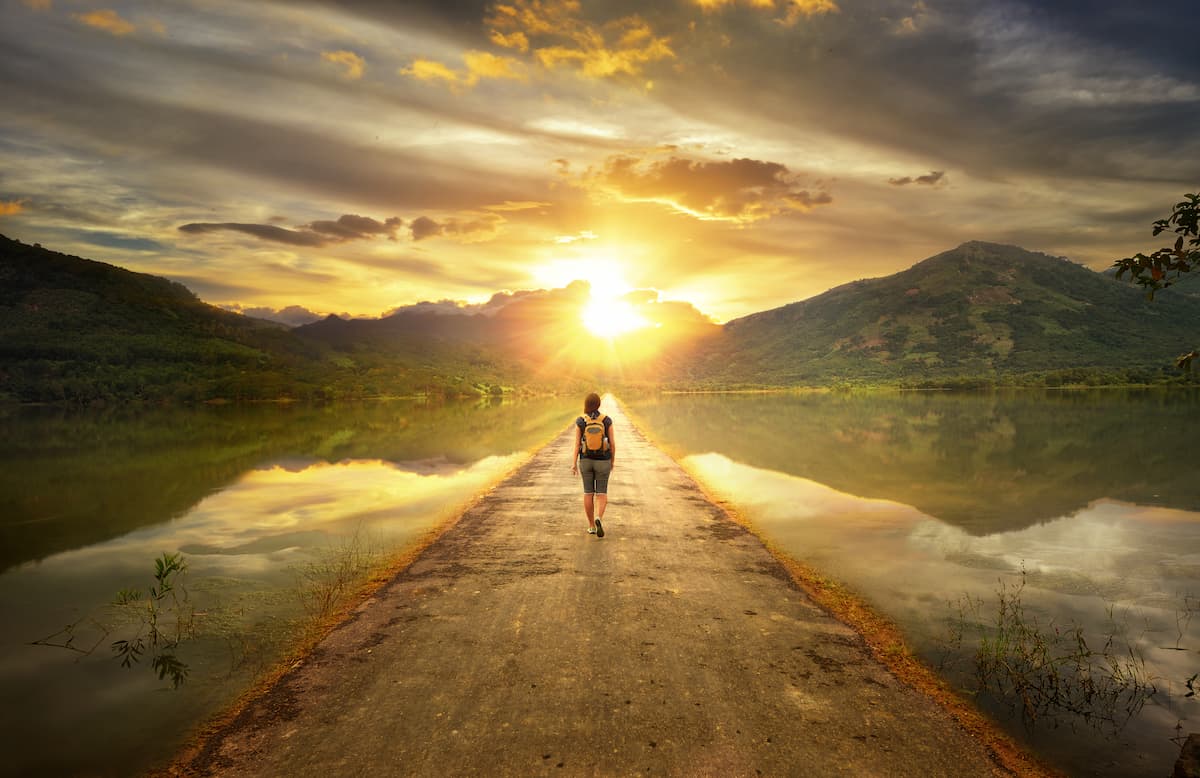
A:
{"x": 599, "y": 529}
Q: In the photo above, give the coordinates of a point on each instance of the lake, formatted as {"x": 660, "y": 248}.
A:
{"x": 277, "y": 512}
{"x": 1028, "y": 520}
{"x": 924, "y": 504}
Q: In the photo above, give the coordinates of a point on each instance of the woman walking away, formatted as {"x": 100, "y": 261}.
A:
{"x": 593, "y": 455}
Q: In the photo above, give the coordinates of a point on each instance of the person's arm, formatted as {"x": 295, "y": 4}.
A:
{"x": 575, "y": 451}
{"x": 612, "y": 445}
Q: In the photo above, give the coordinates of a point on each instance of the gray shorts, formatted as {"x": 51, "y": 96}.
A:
{"x": 595, "y": 474}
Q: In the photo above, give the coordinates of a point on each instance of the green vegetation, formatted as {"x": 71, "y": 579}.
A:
{"x": 75, "y": 331}
{"x": 154, "y": 624}
{"x": 165, "y": 618}
{"x": 1049, "y": 670}
{"x": 980, "y": 315}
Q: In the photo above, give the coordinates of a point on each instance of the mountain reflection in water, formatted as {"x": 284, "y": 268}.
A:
{"x": 921, "y": 502}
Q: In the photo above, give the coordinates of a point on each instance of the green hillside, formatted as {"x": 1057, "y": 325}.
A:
{"x": 77, "y": 331}
{"x": 981, "y": 309}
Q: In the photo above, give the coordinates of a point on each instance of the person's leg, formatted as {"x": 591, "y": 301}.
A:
{"x": 602, "y": 467}
{"x": 588, "y": 472}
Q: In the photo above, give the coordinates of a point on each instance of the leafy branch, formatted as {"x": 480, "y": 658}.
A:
{"x": 165, "y": 619}
{"x": 1163, "y": 267}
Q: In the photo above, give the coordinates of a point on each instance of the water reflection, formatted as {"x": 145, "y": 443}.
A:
{"x": 986, "y": 463}
{"x": 920, "y": 501}
{"x": 254, "y": 498}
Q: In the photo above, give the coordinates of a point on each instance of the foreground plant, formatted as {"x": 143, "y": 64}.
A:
{"x": 1163, "y": 267}
{"x": 162, "y": 617}
{"x": 1051, "y": 671}
{"x": 154, "y": 634}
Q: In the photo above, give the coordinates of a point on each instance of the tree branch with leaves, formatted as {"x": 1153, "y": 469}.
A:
{"x": 1164, "y": 267}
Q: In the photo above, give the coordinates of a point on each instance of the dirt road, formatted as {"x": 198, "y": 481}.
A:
{"x": 518, "y": 644}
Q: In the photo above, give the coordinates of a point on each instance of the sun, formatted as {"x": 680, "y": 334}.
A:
{"x": 609, "y": 317}
{"x": 607, "y": 313}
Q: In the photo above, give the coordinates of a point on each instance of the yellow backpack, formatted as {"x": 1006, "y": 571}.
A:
{"x": 593, "y": 443}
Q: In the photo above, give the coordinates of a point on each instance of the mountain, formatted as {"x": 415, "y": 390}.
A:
{"x": 541, "y": 329}
{"x": 74, "y": 330}
{"x": 979, "y": 309}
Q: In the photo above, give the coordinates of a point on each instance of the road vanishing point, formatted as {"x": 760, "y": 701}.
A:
{"x": 516, "y": 644}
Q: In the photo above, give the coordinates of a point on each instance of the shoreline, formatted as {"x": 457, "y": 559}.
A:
{"x": 886, "y": 641}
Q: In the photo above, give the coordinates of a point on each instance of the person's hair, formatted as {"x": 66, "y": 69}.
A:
{"x": 591, "y": 403}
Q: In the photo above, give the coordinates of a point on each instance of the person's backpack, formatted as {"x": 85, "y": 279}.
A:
{"x": 593, "y": 443}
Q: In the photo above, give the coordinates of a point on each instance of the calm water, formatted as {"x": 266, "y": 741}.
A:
{"x": 262, "y": 502}
{"x": 918, "y": 501}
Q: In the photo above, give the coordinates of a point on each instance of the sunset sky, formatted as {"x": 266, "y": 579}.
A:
{"x": 356, "y": 156}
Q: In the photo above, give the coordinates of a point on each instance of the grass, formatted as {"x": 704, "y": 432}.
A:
{"x": 1049, "y": 670}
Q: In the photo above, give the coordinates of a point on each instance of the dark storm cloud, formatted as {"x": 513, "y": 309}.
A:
{"x": 991, "y": 88}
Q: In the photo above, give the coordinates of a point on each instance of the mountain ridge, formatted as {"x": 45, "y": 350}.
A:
{"x": 72, "y": 330}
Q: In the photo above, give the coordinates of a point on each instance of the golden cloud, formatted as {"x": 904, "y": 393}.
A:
{"x": 517, "y": 205}
{"x": 552, "y": 34}
{"x": 716, "y": 5}
{"x": 623, "y": 46}
{"x": 38, "y": 5}
{"x": 108, "y": 20}
{"x": 11, "y": 207}
{"x": 793, "y": 10}
{"x": 470, "y": 227}
{"x": 739, "y": 190}
{"x": 353, "y": 66}
{"x": 479, "y": 65}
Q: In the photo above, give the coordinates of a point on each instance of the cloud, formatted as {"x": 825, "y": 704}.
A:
{"x": 915, "y": 22}
{"x": 511, "y": 205}
{"x": 793, "y": 10}
{"x": 479, "y": 65}
{"x": 352, "y": 227}
{"x": 584, "y": 235}
{"x": 352, "y": 65}
{"x": 38, "y": 5}
{"x": 738, "y": 190}
{"x": 262, "y": 231}
{"x": 292, "y": 315}
{"x": 108, "y": 20}
{"x": 11, "y": 207}
{"x": 470, "y": 228}
{"x": 313, "y": 235}
{"x": 423, "y": 227}
{"x": 931, "y": 178}
{"x": 555, "y": 35}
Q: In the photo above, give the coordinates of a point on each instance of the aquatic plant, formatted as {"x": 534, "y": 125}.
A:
{"x": 161, "y": 620}
{"x": 154, "y": 634}
{"x": 326, "y": 584}
{"x": 1050, "y": 671}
